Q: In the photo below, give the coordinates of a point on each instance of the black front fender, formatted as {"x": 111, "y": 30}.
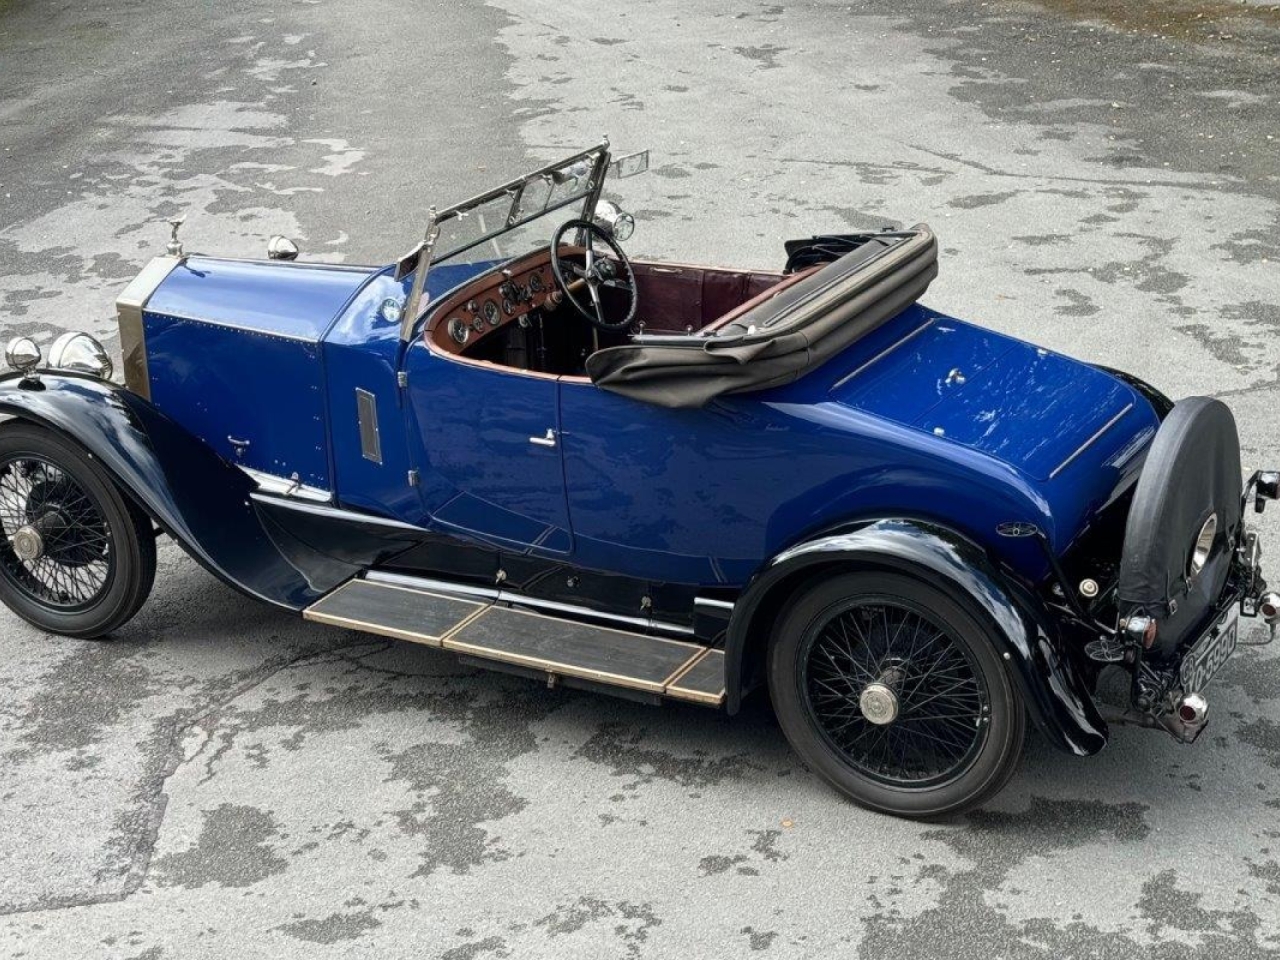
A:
{"x": 1028, "y": 636}
{"x": 193, "y": 494}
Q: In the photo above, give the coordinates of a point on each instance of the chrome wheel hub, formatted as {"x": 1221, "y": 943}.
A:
{"x": 879, "y": 699}
{"x": 878, "y": 703}
{"x": 27, "y": 543}
{"x": 897, "y": 698}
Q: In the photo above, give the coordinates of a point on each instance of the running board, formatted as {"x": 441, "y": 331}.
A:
{"x": 478, "y": 628}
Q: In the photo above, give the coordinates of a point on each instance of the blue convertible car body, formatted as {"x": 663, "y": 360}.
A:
{"x": 665, "y": 480}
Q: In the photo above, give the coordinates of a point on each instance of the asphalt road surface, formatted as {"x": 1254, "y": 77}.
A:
{"x": 225, "y": 781}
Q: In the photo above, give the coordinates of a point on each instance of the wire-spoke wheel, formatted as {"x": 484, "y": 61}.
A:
{"x": 892, "y": 692}
{"x": 76, "y": 557}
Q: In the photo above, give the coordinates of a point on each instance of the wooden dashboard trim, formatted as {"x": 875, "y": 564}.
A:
{"x": 484, "y": 288}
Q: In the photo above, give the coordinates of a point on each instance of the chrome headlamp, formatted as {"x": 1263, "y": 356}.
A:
{"x": 80, "y": 353}
{"x": 615, "y": 221}
{"x": 23, "y": 355}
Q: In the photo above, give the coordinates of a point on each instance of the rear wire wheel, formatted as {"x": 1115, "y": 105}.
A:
{"x": 893, "y": 693}
{"x": 77, "y": 558}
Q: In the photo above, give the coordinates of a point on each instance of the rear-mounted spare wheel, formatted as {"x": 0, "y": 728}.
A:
{"x": 1183, "y": 523}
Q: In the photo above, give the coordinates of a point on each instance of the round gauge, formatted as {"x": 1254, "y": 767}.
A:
{"x": 477, "y": 324}
{"x": 390, "y": 310}
{"x": 508, "y": 307}
{"x": 535, "y": 283}
{"x": 459, "y": 330}
{"x": 491, "y": 313}
{"x": 508, "y": 290}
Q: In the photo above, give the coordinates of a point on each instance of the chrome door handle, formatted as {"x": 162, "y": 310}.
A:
{"x": 548, "y": 441}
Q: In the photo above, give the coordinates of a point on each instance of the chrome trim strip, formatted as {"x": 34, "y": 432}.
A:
{"x": 882, "y": 354}
{"x": 430, "y": 584}
{"x": 626, "y": 633}
{"x": 1141, "y": 440}
{"x": 713, "y": 603}
{"x": 309, "y": 264}
{"x": 1090, "y": 442}
{"x": 643, "y": 623}
{"x": 422, "y": 266}
{"x": 522, "y": 600}
{"x": 129, "y": 306}
{"x": 285, "y": 487}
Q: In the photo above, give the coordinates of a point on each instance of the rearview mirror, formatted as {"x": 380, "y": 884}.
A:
{"x": 629, "y": 165}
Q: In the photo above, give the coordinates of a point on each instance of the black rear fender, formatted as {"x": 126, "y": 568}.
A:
{"x": 198, "y": 498}
{"x": 1053, "y": 687}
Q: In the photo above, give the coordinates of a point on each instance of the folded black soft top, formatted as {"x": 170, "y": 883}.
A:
{"x": 782, "y": 338}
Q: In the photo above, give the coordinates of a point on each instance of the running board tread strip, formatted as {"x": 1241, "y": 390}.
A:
{"x": 391, "y": 611}
{"x": 476, "y": 628}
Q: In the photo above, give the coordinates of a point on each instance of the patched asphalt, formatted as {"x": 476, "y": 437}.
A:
{"x": 224, "y": 780}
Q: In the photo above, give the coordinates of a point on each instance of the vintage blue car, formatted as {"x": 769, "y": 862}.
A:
{"x": 660, "y": 480}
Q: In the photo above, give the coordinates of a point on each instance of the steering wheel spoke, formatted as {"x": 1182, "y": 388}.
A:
{"x": 594, "y": 287}
{"x": 608, "y": 267}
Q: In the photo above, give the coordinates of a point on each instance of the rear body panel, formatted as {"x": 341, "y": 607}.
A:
{"x": 705, "y": 495}
{"x": 1023, "y": 405}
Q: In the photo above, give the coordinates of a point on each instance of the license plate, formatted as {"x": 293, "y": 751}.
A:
{"x": 1210, "y": 652}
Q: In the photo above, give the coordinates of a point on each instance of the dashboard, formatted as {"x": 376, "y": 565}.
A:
{"x": 493, "y": 301}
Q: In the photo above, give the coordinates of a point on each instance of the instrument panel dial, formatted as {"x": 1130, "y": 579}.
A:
{"x": 488, "y": 304}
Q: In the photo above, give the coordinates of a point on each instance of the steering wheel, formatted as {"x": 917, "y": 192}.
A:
{"x": 596, "y": 272}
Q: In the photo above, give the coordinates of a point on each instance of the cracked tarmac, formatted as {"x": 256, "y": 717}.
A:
{"x": 224, "y": 780}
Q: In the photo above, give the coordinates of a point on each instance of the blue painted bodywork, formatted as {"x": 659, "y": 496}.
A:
{"x": 196, "y": 496}
{"x": 240, "y": 350}
{"x": 910, "y": 447}
{"x": 709, "y": 494}
{"x": 927, "y": 417}
{"x": 480, "y": 474}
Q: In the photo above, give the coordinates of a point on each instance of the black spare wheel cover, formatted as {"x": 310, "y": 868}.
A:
{"x": 1192, "y": 471}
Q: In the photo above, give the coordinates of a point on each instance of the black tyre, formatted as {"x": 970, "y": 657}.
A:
{"x": 77, "y": 558}
{"x": 894, "y": 694}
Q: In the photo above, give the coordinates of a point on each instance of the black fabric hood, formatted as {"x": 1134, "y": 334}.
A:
{"x": 782, "y": 338}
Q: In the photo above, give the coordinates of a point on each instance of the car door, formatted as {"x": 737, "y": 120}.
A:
{"x": 682, "y": 496}
{"x": 486, "y": 446}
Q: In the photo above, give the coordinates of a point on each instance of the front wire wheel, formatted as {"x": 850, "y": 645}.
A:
{"x": 893, "y": 693}
{"x": 76, "y": 557}
{"x": 59, "y": 544}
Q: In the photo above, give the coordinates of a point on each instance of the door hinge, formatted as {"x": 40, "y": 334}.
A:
{"x": 414, "y": 477}
{"x": 402, "y": 378}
